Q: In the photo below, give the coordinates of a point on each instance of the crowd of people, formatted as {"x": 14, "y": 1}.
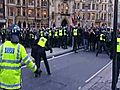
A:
{"x": 64, "y": 37}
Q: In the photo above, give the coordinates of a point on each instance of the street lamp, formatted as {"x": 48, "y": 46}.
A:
{"x": 114, "y": 63}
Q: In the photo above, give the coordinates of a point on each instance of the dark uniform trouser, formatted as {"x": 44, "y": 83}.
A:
{"x": 42, "y": 54}
{"x": 102, "y": 44}
{"x": 75, "y": 43}
{"x": 55, "y": 42}
{"x": 60, "y": 41}
{"x": 65, "y": 42}
{"x": 118, "y": 66}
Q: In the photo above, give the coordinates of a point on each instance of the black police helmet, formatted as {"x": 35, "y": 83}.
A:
{"x": 14, "y": 33}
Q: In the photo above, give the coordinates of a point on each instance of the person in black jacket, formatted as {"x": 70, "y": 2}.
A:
{"x": 38, "y": 51}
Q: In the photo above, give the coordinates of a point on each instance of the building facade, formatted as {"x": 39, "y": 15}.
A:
{"x": 83, "y": 12}
{"x": 2, "y": 14}
{"x": 61, "y": 12}
{"x": 118, "y": 11}
{"x": 27, "y": 13}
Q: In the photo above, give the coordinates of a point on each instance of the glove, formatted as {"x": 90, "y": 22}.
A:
{"x": 51, "y": 50}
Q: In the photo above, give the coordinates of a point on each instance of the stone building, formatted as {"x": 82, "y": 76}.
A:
{"x": 83, "y": 12}
{"x": 2, "y": 14}
{"x": 27, "y": 13}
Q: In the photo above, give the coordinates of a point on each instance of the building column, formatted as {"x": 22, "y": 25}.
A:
{"x": 21, "y": 24}
{"x": 71, "y": 9}
{"x": 26, "y": 24}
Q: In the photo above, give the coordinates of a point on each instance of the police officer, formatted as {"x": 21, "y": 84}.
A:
{"x": 12, "y": 53}
{"x": 32, "y": 37}
{"x": 60, "y": 37}
{"x": 3, "y": 36}
{"x": 55, "y": 37}
{"x": 102, "y": 44}
{"x": 42, "y": 45}
{"x": 75, "y": 36}
{"x": 50, "y": 36}
{"x": 65, "y": 38}
{"x": 42, "y": 32}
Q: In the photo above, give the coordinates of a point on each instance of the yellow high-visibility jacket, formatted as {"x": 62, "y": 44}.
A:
{"x": 11, "y": 56}
{"x": 42, "y": 41}
{"x": 118, "y": 44}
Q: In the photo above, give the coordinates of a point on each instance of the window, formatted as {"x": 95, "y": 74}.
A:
{"x": 102, "y": 16}
{"x": 53, "y": 15}
{"x": 19, "y": 11}
{"x": 83, "y": 16}
{"x": 59, "y": 7}
{"x": 89, "y": 6}
{"x": 97, "y": 16}
{"x": 66, "y": 8}
{"x": 105, "y": 0}
{"x": 105, "y": 7}
{"x": 45, "y": 14}
{"x": 88, "y": 16}
{"x": 44, "y": 3}
{"x": 12, "y": 1}
{"x": 102, "y": 7}
{"x": 93, "y": 6}
{"x": 31, "y": 2}
{"x": 24, "y": 12}
{"x": 38, "y": 13}
{"x": 38, "y": 2}
{"x": 18, "y": 2}
{"x": 75, "y": 6}
{"x": 83, "y": 6}
{"x": 97, "y": 6}
{"x": 31, "y": 13}
{"x": 24, "y": 2}
{"x": 93, "y": 16}
{"x": 105, "y": 16}
{"x": 78, "y": 5}
{"x": 11, "y": 12}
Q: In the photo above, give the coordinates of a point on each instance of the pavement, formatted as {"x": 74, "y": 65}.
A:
{"x": 102, "y": 81}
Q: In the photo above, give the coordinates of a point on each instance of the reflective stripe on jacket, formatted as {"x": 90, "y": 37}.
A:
{"x": 74, "y": 32}
{"x": 50, "y": 33}
{"x": 42, "y": 42}
{"x": 60, "y": 33}
{"x": 11, "y": 56}
{"x": 56, "y": 33}
{"x": 41, "y": 33}
{"x": 65, "y": 32}
{"x": 101, "y": 37}
{"x": 118, "y": 44}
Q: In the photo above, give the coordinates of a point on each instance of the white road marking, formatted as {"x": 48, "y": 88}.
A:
{"x": 98, "y": 72}
{"x": 60, "y": 56}
{"x": 79, "y": 87}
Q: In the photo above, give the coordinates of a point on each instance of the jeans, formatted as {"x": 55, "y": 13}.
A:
{"x": 86, "y": 44}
